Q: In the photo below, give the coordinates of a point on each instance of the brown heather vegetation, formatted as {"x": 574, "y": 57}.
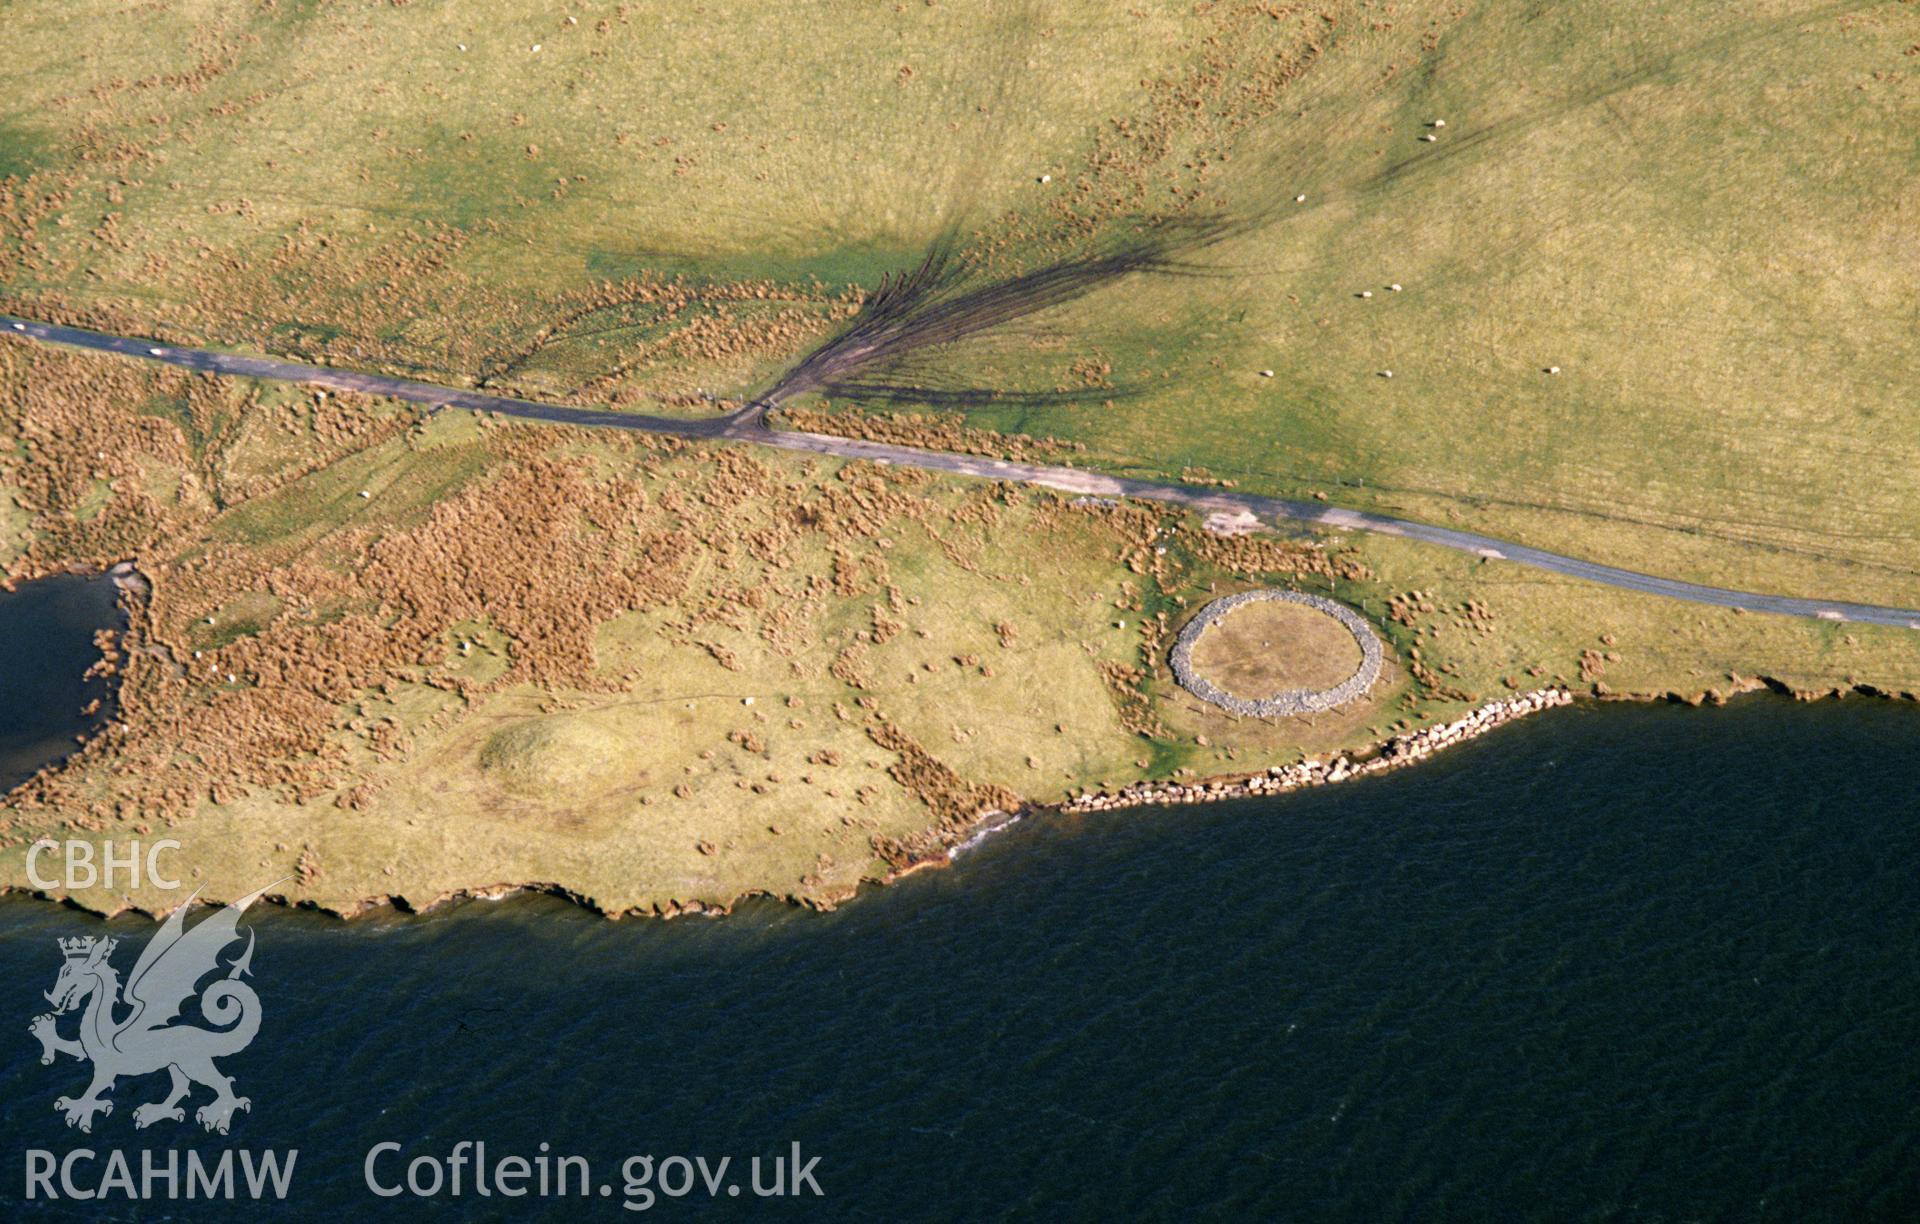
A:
{"x": 336, "y": 583}
{"x": 543, "y": 550}
{"x": 955, "y": 803}
{"x": 1416, "y": 610}
{"x": 944, "y": 431}
{"x": 680, "y": 325}
{"x": 1259, "y": 554}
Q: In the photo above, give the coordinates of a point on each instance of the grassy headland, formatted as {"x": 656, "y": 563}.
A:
{"x": 1188, "y": 241}
{"x": 397, "y": 655}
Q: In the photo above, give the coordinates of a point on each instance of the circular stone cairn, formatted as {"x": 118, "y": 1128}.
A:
{"x": 1290, "y": 701}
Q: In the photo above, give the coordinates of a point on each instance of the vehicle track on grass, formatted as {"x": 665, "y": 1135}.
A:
{"x": 749, "y": 424}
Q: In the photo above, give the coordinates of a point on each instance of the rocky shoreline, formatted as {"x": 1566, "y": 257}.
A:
{"x": 1397, "y": 753}
{"x": 1400, "y": 752}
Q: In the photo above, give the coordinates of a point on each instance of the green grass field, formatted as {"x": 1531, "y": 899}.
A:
{"x": 422, "y": 188}
{"x": 1701, "y": 214}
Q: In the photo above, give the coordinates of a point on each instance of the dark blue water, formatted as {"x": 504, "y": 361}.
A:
{"x": 46, "y": 647}
{"x": 1630, "y": 963}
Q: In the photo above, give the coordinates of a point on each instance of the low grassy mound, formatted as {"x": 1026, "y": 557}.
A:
{"x": 556, "y": 755}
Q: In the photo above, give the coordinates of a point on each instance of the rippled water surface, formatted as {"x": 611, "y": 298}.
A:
{"x": 1645, "y": 963}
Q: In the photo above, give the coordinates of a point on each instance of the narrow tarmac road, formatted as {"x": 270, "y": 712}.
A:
{"x": 749, "y": 425}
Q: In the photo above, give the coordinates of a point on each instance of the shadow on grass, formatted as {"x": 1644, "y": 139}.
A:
{"x": 887, "y": 352}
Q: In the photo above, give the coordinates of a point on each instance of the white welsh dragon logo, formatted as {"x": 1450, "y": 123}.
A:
{"x": 135, "y": 1035}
